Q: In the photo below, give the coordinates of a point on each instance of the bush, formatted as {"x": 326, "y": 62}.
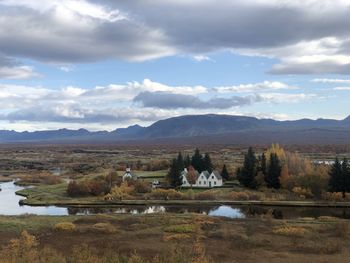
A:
{"x": 334, "y": 197}
{"x": 163, "y": 194}
{"x": 180, "y": 229}
{"x": 292, "y": 231}
{"x": 64, "y": 226}
{"x": 104, "y": 228}
{"x": 302, "y": 192}
{"x": 142, "y": 187}
{"x": 206, "y": 195}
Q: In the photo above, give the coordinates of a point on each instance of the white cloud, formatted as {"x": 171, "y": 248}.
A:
{"x": 341, "y": 88}
{"x": 256, "y": 87}
{"x": 332, "y": 81}
{"x": 17, "y": 72}
{"x": 201, "y": 58}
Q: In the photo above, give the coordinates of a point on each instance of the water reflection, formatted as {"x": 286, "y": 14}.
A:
{"x": 9, "y": 205}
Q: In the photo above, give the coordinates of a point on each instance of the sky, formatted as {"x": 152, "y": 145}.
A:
{"x": 104, "y": 64}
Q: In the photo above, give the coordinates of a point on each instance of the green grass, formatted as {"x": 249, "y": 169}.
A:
{"x": 31, "y": 222}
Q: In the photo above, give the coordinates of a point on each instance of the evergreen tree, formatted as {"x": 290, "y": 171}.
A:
{"x": 224, "y": 173}
{"x": 335, "y": 177}
{"x": 207, "y": 164}
{"x": 187, "y": 161}
{"x": 345, "y": 177}
{"x": 180, "y": 162}
{"x": 246, "y": 175}
{"x": 197, "y": 161}
{"x": 174, "y": 174}
{"x": 273, "y": 172}
{"x": 263, "y": 164}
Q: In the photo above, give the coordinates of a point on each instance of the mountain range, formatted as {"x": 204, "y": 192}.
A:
{"x": 211, "y": 128}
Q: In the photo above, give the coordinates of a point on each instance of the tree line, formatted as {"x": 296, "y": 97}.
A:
{"x": 277, "y": 168}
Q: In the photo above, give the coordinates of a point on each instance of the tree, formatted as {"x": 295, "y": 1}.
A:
{"x": 191, "y": 175}
{"x": 224, "y": 173}
{"x": 187, "y": 161}
{"x": 272, "y": 177}
{"x": 197, "y": 161}
{"x": 346, "y": 175}
{"x": 263, "y": 164}
{"x": 246, "y": 175}
{"x": 180, "y": 162}
{"x": 207, "y": 164}
{"x": 174, "y": 174}
{"x": 336, "y": 174}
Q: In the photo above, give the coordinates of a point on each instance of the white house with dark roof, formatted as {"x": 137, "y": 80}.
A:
{"x": 128, "y": 175}
{"x": 203, "y": 179}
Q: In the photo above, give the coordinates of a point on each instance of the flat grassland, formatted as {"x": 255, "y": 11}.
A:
{"x": 223, "y": 240}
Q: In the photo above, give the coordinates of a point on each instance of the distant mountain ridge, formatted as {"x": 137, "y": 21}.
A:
{"x": 211, "y": 126}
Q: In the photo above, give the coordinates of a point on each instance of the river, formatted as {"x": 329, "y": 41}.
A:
{"x": 9, "y": 205}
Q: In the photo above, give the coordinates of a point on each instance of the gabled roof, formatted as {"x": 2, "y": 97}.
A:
{"x": 217, "y": 175}
{"x": 206, "y": 174}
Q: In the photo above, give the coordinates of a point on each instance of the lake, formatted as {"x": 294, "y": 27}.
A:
{"x": 9, "y": 205}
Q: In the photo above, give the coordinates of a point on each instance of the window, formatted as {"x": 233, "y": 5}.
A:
{"x": 200, "y": 182}
{"x": 214, "y": 183}
{"x": 212, "y": 177}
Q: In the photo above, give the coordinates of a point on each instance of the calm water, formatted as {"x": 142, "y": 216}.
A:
{"x": 9, "y": 205}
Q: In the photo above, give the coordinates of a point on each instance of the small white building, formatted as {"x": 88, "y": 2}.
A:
{"x": 204, "y": 179}
{"x": 128, "y": 175}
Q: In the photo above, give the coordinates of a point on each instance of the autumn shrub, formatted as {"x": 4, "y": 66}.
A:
{"x": 292, "y": 231}
{"x": 106, "y": 228}
{"x": 142, "y": 187}
{"x": 64, "y": 226}
{"x": 336, "y": 196}
{"x": 205, "y": 195}
{"x": 244, "y": 195}
{"x": 302, "y": 192}
{"x": 181, "y": 229}
{"x": 176, "y": 237}
{"x": 121, "y": 192}
{"x": 189, "y": 195}
{"x": 165, "y": 194}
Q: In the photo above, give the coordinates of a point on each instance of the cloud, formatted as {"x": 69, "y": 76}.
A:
{"x": 201, "y": 58}
{"x": 332, "y": 81}
{"x": 165, "y": 100}
{"x": 76, "y": 31}
{"x": 341, "y": 88}
{"x": 123, "y": 104}
{"x": 17, "y": 72}
{"x": 255, "y": 87}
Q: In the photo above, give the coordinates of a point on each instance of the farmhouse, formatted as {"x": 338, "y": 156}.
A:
{"x": 203, "y": 179}
{"x": 128, "y": 175}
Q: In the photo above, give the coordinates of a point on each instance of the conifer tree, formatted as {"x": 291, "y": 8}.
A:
{"x": 345, "y": 177}
{"x": 180, "y": 162}
{"x": 207, "y": 164}
{"x": 224, "y": 173}
{"x": 174, "y": 174}
{"x": 246, "y": 175}
{"x": 197, "y": 161}
{"x": 187, "y": 161}
{"x": 335, "y": 177}
{"x": 273, "y": 172}
{"x": 263, "y": 164}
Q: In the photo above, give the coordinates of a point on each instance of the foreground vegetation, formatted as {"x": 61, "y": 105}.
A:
{"x": 171, "y": 238}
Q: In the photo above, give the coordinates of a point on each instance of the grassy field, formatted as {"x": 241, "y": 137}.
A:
{"x": 223, "y": 240}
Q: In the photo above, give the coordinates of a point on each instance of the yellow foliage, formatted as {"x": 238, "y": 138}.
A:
{"x": 175, "y": 237}
{"x": 104, "y": 228}
{"x": 302, "y": 192}
{"x": 287, "y": 230}
{"x": 277, "y": 149}
{"x": 64, "y": 226}
{"x": 120, "y": 192}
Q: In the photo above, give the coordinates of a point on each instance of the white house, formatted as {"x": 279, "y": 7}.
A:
{"x": 129, "y": 175}
{"x": 204, "y": 179}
